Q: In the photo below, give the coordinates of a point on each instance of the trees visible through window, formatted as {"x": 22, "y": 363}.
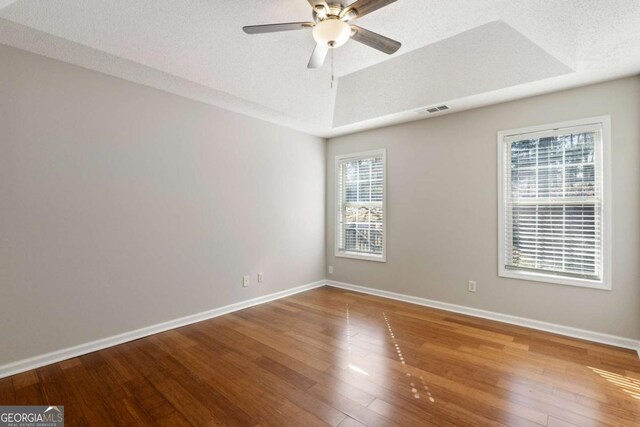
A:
{"x": 360, "y": 231}
{"x": 552, "y": 218}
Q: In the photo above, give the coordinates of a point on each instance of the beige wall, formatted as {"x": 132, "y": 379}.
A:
{"x": 122, "y": 206}
{"x": 442, "y": 211}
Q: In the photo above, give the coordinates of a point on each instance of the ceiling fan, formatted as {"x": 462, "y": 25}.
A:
{"x": 332, "y": 28}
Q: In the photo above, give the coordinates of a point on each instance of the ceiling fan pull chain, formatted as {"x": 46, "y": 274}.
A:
{"x": 332, "y": 77}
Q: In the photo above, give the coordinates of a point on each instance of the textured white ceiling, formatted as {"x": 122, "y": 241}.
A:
{"x": 196, "y": 48}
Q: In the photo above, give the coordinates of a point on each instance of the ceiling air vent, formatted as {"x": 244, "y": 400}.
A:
{"x": 432, "y": 110}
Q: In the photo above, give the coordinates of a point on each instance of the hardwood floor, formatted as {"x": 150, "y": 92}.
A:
{"x": 333, "y": 357}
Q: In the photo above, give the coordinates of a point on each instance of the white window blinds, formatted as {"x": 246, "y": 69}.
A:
{"x": 360, "y": 209}
{"x": 552, "y": 219}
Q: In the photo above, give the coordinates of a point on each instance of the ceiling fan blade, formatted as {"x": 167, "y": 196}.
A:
{"x": 272, "y": 28}
{"x": 318, "y": 56}
{"x": 364, "y": 7}
{"x": 375, "y": 40}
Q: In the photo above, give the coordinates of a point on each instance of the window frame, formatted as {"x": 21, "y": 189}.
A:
{"x": 337, "y": 214}
{"x": 605, "y": 281}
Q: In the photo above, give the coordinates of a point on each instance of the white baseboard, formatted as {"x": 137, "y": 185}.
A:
{"x": 569, "y": 331}
{"x": 68, "y": 353}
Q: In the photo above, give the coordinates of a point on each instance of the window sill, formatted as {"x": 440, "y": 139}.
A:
{"x": 553, "y": 279}
{"x": 353, "y": 255}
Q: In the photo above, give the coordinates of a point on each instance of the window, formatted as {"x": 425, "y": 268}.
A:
{"x": 360, "y": 224}
{"x": 553, "y": 203}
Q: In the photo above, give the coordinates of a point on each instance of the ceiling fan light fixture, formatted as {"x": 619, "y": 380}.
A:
{"x": 331, "y": 32}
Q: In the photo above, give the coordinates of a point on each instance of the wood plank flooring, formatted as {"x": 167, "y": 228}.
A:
{"x": 333, "y": 357}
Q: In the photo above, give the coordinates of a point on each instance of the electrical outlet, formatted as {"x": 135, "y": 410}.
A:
{"x": 331, "y": 269}
{"x": 472, "y": 286}
{"x": 245, "y": 281}
{"x": 260, "y": 277}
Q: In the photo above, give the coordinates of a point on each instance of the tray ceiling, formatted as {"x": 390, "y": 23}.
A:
{"x": 463, "y": 53}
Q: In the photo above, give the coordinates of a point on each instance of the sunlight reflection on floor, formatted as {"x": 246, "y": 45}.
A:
{"x": 412, "y": 378}
{"x": 351, "y": 365}
{"x": 626, "y": 384}
{"x": 405, "y": 369}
